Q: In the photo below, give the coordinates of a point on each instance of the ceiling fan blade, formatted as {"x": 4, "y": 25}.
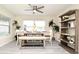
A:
{"x": 40, "y": 7}
{"x": 28, "y": 9}
{"x": 30, "y": 5}
{"x": 39, "y": 11}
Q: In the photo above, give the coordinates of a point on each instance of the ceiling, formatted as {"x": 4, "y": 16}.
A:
{"x": 49, "y": 9}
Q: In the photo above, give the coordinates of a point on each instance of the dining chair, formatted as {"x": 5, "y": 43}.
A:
{"x": 18, "y": 35}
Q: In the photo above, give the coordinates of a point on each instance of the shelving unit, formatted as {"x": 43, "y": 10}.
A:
{"x": 69, "y": 29}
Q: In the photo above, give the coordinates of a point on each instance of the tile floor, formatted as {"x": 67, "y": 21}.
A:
{"x": 12, "y": 48}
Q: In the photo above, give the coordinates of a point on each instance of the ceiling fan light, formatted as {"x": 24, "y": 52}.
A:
{"x": 34, "y": 11}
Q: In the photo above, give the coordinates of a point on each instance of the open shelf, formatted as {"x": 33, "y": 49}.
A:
{"x": 69, "y": 29}
{"x": 65, "y": 34}
{"x": 68, "y": 34}
{"x": 66, "y": 41}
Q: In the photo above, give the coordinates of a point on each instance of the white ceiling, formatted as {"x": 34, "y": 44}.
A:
{"x": 49, "y": 9}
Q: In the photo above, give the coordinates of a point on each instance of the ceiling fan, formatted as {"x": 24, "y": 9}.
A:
{"x": 35, "y": 8}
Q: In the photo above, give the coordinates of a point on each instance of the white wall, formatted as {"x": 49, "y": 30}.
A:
{"x": 6, "y": 39}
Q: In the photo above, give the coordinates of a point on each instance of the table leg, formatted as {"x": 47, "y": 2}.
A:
{"x": 17, "y": 42}
{"x": 51, "y": 43}
{"x": 20, "y": 42}
{"x": 44, "y": 43}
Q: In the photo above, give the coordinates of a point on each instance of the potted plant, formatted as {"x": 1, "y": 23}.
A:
{"x": 55, "y": 28}
{"x": 17, "y": 27}
{"x": 16, "y": 24}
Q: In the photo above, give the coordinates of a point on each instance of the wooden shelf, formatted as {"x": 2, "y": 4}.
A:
{"x": 71, "y": 28}
{"x": 64, "y": 27}
{"x": 67, "y": 34}
{"x": 67, "y": 20}
{"x": 66, "y": 41}
{"x": 67, "y": 27}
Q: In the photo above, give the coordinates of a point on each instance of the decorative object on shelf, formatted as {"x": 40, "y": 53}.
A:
{"x": 68, "y": 38}
{"x": 66, "y": 17}
{"x": 72, "y": 39}
{"x": 71, "y": 24}
{"x": 55, "y": 28}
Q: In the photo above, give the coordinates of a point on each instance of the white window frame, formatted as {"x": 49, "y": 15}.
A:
{"x": 5, "y": 25}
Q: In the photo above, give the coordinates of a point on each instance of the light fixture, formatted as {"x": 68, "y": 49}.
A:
{"x": 34, "y": 11}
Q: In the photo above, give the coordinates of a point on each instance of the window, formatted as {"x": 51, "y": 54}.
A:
{"x": 4, "y": 26}
{"x": 28, "y": 25}
{"x": 40, "y": 25}
{"x": 34, "y": 25}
